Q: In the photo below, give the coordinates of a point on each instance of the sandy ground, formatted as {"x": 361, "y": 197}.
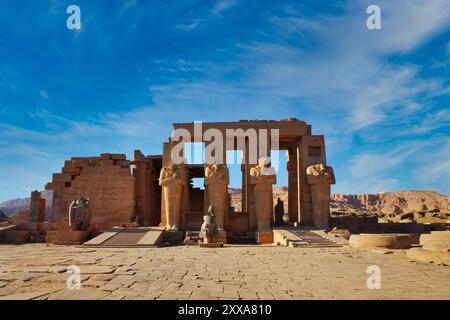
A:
{"x": 38, "y": 271}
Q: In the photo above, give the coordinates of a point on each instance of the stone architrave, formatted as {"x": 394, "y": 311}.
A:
{"x": 262, "y": 177}
{"x": 217, "y": 178}
{"x": 320, "y": 177}
{"x": 171, "y": 181}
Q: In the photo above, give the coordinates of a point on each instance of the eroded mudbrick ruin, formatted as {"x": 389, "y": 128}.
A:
{"x": 92, "y": 195}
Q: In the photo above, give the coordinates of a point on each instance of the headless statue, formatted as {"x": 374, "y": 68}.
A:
{"x": 262, "y": 177}
{"x": 320, "y": 177}
{"x": 216, "y": 184}
{"x": 172, "y": 183}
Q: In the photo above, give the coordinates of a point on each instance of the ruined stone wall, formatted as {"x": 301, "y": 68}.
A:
{"x": 105, "y": 180}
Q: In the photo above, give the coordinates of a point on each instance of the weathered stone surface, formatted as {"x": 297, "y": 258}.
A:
{"x": 171, "y": 180}
{"x": 79, "y": 294}
{"x": 320, "y": 178}
{"x": 97, "y": 269}
{"x": 429, "y": 256}
{"x": 216, "y": 185}
{"x": 262, "y": 177}
{"x": 391, "y": 241}
{"x": 25, "y": 295}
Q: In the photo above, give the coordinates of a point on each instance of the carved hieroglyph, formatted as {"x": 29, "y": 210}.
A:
{"x": 320, "y": 177}
{"x": 217, "y": 178}
{"x": 171, "y": 181}
{"x": 262, "y": 177}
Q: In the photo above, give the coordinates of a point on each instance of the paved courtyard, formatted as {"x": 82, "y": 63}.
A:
{"x": 38, "y": 271}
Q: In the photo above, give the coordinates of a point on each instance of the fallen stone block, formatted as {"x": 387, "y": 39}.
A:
{"x": 390, "y": 241}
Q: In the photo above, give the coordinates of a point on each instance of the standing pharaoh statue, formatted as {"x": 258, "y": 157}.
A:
{"x": 320, "y": 177}
{"x": 172, "y": 182}
{"x": 79, "y": 214}
{"x": 262, "y": 177}
{"x": 217, "y": 179}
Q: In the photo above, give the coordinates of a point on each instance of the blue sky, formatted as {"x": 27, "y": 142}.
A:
{"x": 381, "y": 97}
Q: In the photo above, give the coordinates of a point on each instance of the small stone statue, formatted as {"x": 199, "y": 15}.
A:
{"x": 209, "y": 228}
{"x": 79, "y": 214}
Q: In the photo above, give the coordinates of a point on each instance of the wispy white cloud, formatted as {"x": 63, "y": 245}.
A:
{"x": 189, "y": 26}
{"x": 43, "y": 94}
{"x": 348, "y": 72}
{"x": 221, "y": 6}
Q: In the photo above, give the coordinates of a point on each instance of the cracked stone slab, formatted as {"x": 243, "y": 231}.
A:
{"x": 97, "y": 269}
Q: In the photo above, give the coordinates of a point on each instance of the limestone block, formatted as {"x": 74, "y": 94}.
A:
{"x": 424, "y": 238}
{"x": 80, "y": 162}
{"x": 106, "y": 162}
{"x": 105, "y": 156}
{"x": 264, "y": 237}
{"x": 69, "y": 170}
{"x": 55, "y": 185}
{"x": 390, "y": 241}
{"x": 69, "y": 237}
{"x": 437, "y": 245}
{"x": 118, "y": 156}
{"x": 50, "y": 237}
{"x": 429, "y": 256}
{"x": 16, "y": 236}
{"x": 62, "y": 177}
{"x": 440, "y": 235}
{"x": 123, "y": 163}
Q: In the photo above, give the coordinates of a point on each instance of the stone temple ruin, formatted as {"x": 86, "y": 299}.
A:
{"x": 152, "y": 194}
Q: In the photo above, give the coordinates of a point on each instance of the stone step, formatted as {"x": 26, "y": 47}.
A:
{"x": 16, "y": 236}
{"x": 313, "y": 239}
{"x": 128, "y": 237}
{"x": 242, "y": 239}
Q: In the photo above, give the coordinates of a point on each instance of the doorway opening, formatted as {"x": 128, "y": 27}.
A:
{"x": 281, "y": 188}
{"x": 234, "y": 161}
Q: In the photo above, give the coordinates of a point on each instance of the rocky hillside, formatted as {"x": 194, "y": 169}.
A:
{"x": 386, "y": 203}
{"x": 395, "y": 202}
{"x": 11, "y": 207}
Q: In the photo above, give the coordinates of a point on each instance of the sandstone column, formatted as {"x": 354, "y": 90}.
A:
{"x": 35, "y": 206}
{"x": 262, "y": 177}
{"x": 320, "y": 178}
{"x": 216, "y": 185}
{"x": 172, "y": 184}
{"x": 292, "y": 186}
{"x": 143, "y": 191}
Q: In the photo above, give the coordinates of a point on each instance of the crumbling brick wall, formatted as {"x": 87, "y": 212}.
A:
{"x": 105, "y": 180}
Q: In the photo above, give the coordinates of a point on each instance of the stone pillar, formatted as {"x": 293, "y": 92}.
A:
{"x": 172, "y": 181}
{"x": 35, "y": 206}
{"x": 320, "y": 177}
{"x": 143, "y": 191}
{"x": 216, "y": 186}
{"x": 57, "y": 204}
{"x": 262, "y": 177}
{"x": 301, "y": 214}
{"x": 292, "y": 186}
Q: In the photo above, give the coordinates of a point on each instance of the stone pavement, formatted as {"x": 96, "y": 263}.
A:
{"x": 38, "y": 271}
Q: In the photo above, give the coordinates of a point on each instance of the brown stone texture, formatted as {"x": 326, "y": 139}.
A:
{"x": 110, "y": 190}
{"x": 105, "y": 180}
